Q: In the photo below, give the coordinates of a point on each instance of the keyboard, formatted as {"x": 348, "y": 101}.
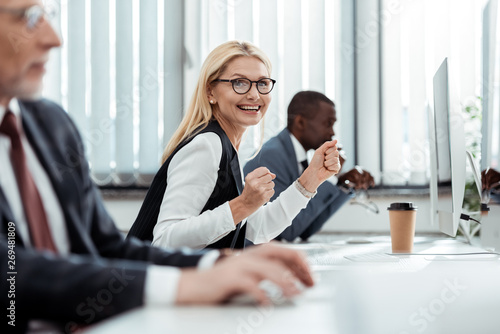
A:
{"x": 372, "y": 257}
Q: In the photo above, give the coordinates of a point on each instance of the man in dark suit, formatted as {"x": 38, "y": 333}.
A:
{"x": 311, "y": 117}
{"x": 63, "y": 262}
{"x": 490, "y": 180}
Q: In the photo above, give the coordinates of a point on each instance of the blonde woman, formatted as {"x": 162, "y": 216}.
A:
{"x": 197, "y": 198}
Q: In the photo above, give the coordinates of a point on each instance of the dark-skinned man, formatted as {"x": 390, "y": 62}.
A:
{"x": 311, "y": 117}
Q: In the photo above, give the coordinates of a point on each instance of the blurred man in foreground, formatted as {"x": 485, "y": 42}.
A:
{"x": 64, "y": 263}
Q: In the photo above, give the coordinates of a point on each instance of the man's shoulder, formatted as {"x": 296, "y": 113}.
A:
{"x": 277, "y": 143}
{"x": 273, "y": 149}
{"x": 41, "y": 104}
{"x": 272, "y": 153}
{"x": 46, "y": 119}
{"x": 44, "y": 109}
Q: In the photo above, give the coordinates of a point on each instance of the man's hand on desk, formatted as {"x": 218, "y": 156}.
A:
{"x": 356, "y": 178}
{"x": 490, "y": 179}
{"x": 236, "y": 275}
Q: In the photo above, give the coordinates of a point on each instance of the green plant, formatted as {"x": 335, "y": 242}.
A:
{"x": 472, "y": 127}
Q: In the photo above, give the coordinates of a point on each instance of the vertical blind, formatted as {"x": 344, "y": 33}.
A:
{"x": 416, "y": 37}
{"x": 127, "y": 70}
{"x": 490, "y": 146}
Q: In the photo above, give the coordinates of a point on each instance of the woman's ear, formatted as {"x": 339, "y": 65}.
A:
{"x": 210, "y": 94}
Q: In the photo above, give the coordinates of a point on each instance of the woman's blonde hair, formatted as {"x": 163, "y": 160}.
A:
{"x": 200, "y": 111}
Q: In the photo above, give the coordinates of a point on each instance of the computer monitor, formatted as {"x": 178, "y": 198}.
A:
{"x": 447, "y": 154}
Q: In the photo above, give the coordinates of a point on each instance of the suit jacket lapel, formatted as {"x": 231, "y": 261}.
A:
{"x": 5, "y": 210}
{"x": 228, "y": 147}
{"x": 59, "y": 167}
{"x": 6, "y": 216}
{"x": 235, "y": 168}
{"x": 45, "y": 149}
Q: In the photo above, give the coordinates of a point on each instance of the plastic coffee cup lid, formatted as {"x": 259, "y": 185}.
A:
{"x": 402, "y": 206}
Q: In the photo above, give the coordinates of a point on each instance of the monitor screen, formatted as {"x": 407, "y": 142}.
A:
{"x": 447, "y": 153}
{"x": 441, "y": 119}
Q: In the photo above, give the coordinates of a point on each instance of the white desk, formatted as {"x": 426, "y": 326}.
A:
{"x": 414, "y": 295}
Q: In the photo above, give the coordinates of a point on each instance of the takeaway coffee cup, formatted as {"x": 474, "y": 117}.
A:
{"x": 402, "y": 217}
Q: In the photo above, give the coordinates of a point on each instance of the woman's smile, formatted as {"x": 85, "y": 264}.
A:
{"x": 249, "y": 109}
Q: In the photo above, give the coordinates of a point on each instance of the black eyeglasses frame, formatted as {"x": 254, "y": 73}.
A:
{"x": 232, "y": 81}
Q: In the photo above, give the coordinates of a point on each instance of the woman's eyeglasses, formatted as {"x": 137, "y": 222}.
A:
{"x": 243, "y": 85}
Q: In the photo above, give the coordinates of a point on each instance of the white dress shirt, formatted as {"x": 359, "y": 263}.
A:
{"x": 300, "y": 152}
{"x": 301, "y": 155}
{"x": 161, "y": 281}
{"x": 191, "y": 178}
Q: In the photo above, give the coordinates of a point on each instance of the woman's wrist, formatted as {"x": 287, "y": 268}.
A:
{"x": 303, "y": 190}
{"x": 308, "y": 182}
{"x": 238, "y": 209}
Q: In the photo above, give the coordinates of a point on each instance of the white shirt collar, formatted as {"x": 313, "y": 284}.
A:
{"x": 14, "y": 107}
{"x": 300, "y": 153}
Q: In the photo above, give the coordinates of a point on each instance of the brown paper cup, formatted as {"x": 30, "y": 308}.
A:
{"x": 402, "y": 217}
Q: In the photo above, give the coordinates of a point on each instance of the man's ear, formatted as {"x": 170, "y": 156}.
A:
{"x": 300, "y": 123}
{"x": 298, "y": 126}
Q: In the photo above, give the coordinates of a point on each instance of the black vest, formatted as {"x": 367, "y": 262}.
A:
{"x": 227, "y": 187}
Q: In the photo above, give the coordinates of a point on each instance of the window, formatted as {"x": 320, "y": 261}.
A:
{"x": 416, "y": 37}
{"x": 128, "y": 69}
{"x": 490, "y": 147}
